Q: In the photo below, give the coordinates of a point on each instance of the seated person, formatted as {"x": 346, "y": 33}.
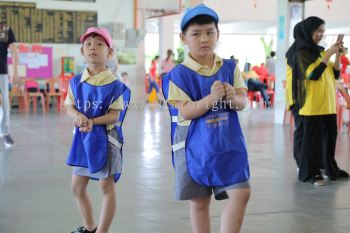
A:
{"x": 254, "y": 83}
{"x": 262, "y": 72}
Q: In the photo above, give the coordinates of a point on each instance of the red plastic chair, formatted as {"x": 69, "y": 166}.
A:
{"x": 64, "y": 85}
{"x": 32, "y": 84}
{"x": 18, "y": 91}
{"x": 254, "y": 96}
{"x": 52, "y": 84}
{"x": 346, "y": 78}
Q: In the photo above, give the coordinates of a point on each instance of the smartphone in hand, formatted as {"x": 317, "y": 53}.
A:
{"x": 340, "y": 39}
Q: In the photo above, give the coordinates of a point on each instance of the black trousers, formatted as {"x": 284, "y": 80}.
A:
{"x": 298, "y": 134}
{"x": 318, "y": 144}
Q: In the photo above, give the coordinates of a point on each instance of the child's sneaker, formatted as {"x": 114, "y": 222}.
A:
{"x": 83, "y": 230}
{"x": 8, "y": 141}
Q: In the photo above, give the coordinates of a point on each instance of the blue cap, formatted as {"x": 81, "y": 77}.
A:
{"x": 199, "y": 9}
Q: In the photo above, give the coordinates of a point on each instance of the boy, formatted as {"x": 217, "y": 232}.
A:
{"x": 95, "y": 102}
{"x": 208, "y": 146}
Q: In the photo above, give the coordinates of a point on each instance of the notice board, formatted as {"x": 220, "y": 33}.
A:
{"x": 34, "y": 61}
{"x": 32, "y": 25}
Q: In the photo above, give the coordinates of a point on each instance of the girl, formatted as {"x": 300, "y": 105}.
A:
{"x": 313, "y": 91}
{"x": 95, "y": 102}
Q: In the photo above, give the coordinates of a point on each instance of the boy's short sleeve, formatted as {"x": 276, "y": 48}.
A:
{"x": 238, "y": 79}
{"x": 118, "y": 104}
{"x": 176, "y": 94}
{"x": 70, "y": 97}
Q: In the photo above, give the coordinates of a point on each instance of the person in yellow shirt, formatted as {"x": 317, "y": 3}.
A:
{"x": 313, "y": 95}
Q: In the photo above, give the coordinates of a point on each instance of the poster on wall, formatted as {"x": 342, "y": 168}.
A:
{"x": 33, "y": 61}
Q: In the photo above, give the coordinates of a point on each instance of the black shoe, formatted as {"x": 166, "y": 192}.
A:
{"x": 83, "y": 230}
{"x": 8, "y": 141}
{"x": 161, "y": 102}
{"x": 343, "y": 174}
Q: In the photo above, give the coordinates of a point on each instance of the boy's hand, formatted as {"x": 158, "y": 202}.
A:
{"x": 88, "y": 126}
{"x": 230, "y": 93}
{"x": 217, "y": 90}
{"x": 80, "y": 120}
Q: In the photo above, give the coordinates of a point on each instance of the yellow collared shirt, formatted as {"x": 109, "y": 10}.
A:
{"x": 320, "y": 94}
{"x": 176, "y": 94}
{"x": 103, "y": 78}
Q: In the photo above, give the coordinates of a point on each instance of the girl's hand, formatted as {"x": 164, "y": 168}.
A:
{"x": 335, "y": 48}
{"x": 341, "y": 48}
{"x": 87, "y": 127}
{"x": 80, "y": 120}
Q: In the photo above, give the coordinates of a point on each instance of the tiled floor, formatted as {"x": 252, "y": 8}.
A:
{"x": 35, "y": 192}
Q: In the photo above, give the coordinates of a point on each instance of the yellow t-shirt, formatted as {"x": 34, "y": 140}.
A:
{"x": 176, "y": 94}
{"x": 100, "y": 79}
{"x": 320, "y": 94}
{"x": 250, "y": 75}
{"x": 288, "y": 90}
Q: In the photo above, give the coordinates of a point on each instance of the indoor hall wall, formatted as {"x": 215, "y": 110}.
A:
{"x": 338, "y": 10}
{"x": 229, "y": 10}
{"x": 108, "y": 11}
{"x": 265, "y": 10}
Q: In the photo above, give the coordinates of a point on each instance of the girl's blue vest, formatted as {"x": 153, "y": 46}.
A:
{"x": 90, "y": 149}
{"x": 215, "y": 148}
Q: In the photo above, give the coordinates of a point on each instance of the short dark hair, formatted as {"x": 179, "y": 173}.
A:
{"x": 200, "y": 20}
{"x": 273, "y": 53}
{"x": 124, "y": 73}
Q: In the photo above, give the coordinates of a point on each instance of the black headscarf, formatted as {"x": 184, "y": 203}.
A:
{"x": 301, "y": 54}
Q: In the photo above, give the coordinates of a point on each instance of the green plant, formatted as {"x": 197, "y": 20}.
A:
{"x": 180, "y": 55}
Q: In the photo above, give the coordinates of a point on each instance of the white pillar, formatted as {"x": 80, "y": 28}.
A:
{"x": 288, "y": 14}
{"x": 166, "y": 35}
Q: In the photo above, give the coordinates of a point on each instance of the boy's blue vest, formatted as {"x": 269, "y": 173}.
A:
{"x": 90, "y": 149}
{"x": 215, "y": 148}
